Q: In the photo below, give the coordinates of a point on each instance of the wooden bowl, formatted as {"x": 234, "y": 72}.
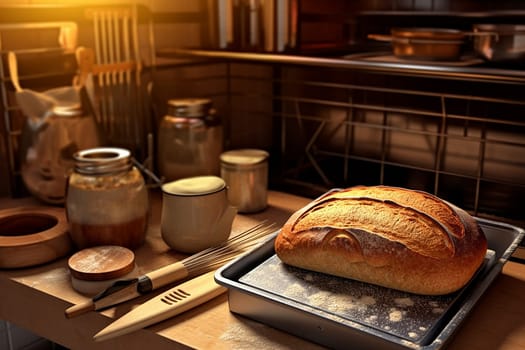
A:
{"x": 31, "y": 236}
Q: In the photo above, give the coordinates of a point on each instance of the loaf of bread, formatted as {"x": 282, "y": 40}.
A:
{"x": 393, "y": 237}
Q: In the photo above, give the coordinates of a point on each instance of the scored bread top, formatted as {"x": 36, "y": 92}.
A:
{"x": 394, "y": 237}
{"x": 404, "y": 216}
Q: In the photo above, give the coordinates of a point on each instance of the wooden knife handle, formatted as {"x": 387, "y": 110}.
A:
{"x": 79, "y": 309}
{"x": 167, "y": 274}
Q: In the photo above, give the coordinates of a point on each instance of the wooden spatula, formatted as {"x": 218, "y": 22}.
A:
{"x": 173, "y": 302}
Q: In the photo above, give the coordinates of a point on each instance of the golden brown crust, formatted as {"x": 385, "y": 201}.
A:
{"x": 398, "y": 238}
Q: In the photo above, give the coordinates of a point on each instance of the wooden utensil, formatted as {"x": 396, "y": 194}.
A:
{"x": 194, "y": 265}
{"x": 173, "y": 302}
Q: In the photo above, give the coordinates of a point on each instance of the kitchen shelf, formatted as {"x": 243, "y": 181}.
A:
{"x": 455, "y": 131}
{"x": 467, "y": 14}
{"x": 408, "y": 68}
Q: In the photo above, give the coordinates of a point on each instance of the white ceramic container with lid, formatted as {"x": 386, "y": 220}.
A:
{"x": 196, "y": 213}
{"x": 94, "y": 269}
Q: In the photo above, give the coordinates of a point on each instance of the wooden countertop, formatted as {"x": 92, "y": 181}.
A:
{"x": 35, "y": 299}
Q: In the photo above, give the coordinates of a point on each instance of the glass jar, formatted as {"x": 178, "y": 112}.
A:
{"x": 107, "y": 201}
{"x": 245, "y": 171}
{"x": 48, "y": 145}
{"x": 190, "y": 140}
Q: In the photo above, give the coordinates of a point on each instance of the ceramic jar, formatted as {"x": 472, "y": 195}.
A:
{"x": 196, "y": 213}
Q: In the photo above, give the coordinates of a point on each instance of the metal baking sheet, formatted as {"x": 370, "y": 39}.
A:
{"x": 411, "y": 317}
{"x": 336, "y": 312}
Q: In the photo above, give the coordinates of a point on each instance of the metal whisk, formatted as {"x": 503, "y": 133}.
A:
{"x": 194, "y": 265}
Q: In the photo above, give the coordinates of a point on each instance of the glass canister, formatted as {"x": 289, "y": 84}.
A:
{"x": 48, "y": 145}
{"x": 190, "y": 140}
{"x": 245, "y": 171}
{"x": 107, "y": 201}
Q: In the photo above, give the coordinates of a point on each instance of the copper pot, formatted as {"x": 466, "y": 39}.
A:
{"x": 424, "y": 43}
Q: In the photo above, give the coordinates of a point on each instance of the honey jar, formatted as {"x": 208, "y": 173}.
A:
{"x": 107, "y": 201}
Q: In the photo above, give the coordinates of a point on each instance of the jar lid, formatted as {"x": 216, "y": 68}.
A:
{"x": 244, "y": 157}
{"x": 102, "y": 160}
{"x": 189, "y": 107}
{"x": 101, "y": 263}
{"x": 192, "y": 186}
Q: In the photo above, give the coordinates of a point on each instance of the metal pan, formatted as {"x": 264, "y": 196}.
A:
{"x": 499, "y": 42}
{"x": 425, "y": 43}
{"x": 493, "y": 42}
{"x": 307, "y": 305}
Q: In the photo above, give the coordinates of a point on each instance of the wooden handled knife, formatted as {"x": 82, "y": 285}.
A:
{"x": 168, "y": 304}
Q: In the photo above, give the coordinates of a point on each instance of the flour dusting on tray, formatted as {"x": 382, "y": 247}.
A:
{"x": 409, "y": 316}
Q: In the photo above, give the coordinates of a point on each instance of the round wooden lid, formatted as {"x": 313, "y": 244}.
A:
{"x": 101, "y": 263}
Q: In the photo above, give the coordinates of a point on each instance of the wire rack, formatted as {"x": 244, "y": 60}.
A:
{"x": 443, "y": 137}
{"x": 459, "y": 134}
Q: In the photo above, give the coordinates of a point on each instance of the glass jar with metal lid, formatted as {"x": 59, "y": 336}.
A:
{"x": 190, "y": 139}
{"x": 107, "y": 200}
{"x": 245, "y": 171}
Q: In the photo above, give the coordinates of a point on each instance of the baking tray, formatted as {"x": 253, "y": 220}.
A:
{"x": 338, "y": 312}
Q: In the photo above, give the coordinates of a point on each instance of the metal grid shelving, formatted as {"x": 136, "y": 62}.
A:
{"x": 338, "y": 123}
{"x": 468, "y": 149}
